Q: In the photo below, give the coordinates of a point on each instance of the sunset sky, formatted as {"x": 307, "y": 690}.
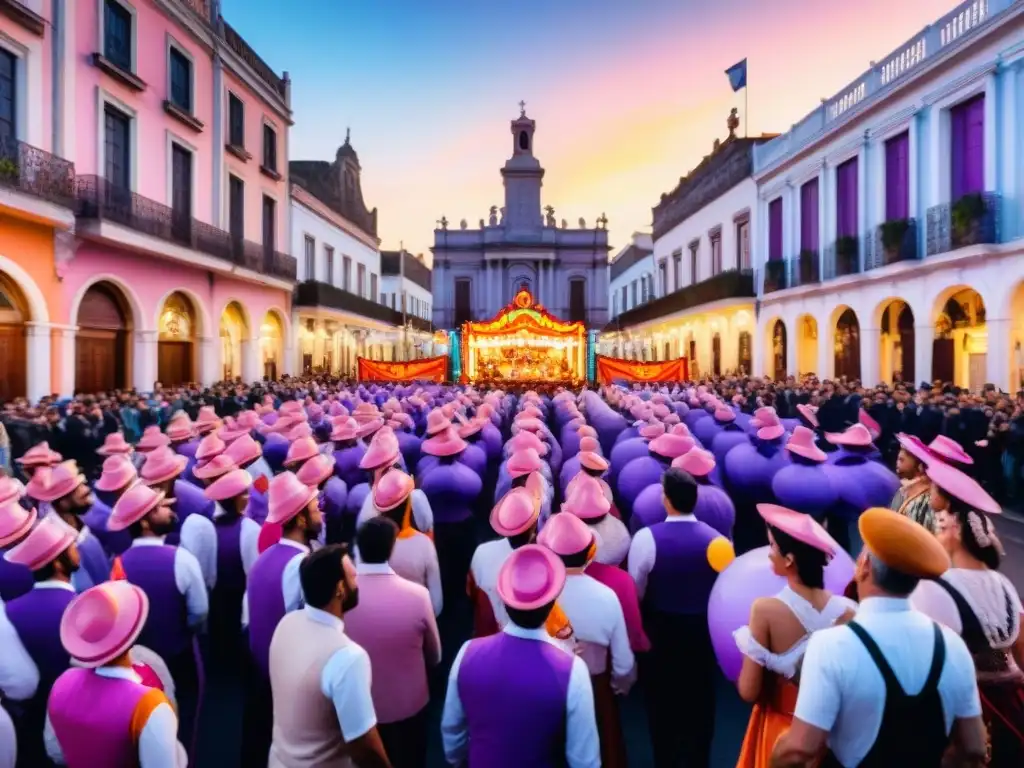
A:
{"x": 628, "y": 96}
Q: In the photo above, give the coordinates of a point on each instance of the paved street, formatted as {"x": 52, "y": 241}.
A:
{"x": 1011, "y": 532}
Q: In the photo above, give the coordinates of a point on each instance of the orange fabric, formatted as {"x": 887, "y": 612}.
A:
{"x": 261, "y": 484}
{"x": 430, "y": 369}
{"x": 150, "y": 700}
{"x": 117, "y": 571}
{"x": 407, "y": 530}
{"x": 558, "y": 624}
{"x": 769, "y": 719}
{"x": 611, "y": 368}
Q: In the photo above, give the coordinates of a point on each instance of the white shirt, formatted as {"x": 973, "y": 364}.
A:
{"x": 248, "y": 543}
{"x": 487, "y": 561}
{"x": 291, "y": 587}
{"x": 19, "y": 676}
{"x": 199, "y": 537}
{"x": 422, "y": 514}
{"x": 582, "y": 745}
{"x": 643, "y": 551}
{"x": 596, "y": 616}
{"x": 612, "y": 541}
{"x": 842, "y": 690}
{"x": 188, "y": 577}
{"x": 8, "y": 741}
{"x": 158, "y": 740}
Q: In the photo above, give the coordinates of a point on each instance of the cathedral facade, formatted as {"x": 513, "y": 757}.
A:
{"x": 478, "y": 271}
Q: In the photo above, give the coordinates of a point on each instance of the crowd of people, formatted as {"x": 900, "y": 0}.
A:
{"x": 829, "y": 549}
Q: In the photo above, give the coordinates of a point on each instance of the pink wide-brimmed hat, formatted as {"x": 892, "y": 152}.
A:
{"x": 767, "y": 423}
{"x": 137, "y": 502}
{"x": 589, "y": 444}
{"x": 103, "y": 623}
{"x": 299, "y": 431}
{"x": 809, "y": 414}
{"x": 227, "y": 486}
{"x": 652, "y": 430}
{"x": 949, "y": 449}
{"x": 952, "y": 482}
{"x": 207, "y": 420}
{"x": 587, "y": 500}
{"x": 11, "y": 490}
{"x": 527, "y": 440}
{"x": 290, "y": 408}
{"x": 367, "y": 428}
{"x": 470, "y": 428}
{"x": 528, "y": 425}
{"x": 872, "y": 426}
{"x": 854, "y": 436}
{"x": 365, "y": 412}
{"x": 437, "y": 422}
{"x": 802, "y": 443}
{"x": 586, "y": 431}
{"x": 15, "y": 522}
{"x": 916, "y": 448}
{"x": 43, "y": 544}
{"x": 523, "y": 462}
{"x": 243, "y": 450}
{"x": 180, "y": 429}
{"x": 219, "y": 465}
{"x": 531, "y": 577}
{"x": 801, "y": 527}
{"x": 345, "y": 428}
{"x": 723, "y": 414}
{"x": 696, "y": 462}
{"x": 301, "y": 450}
{"x": 162, "y": 465}
{"x": 566, "y": 535}
{"x": 208, "y": 447}
{"x": 392, "y": 489}
{"x": 670, "y": 446}
{"x": 152, "y": 438}
{"x": 680, "y": 429}
{"x": 288, "y": 496}
{"x": 52, "y": 483}
{"x": 447, "y": 443}
{"x": 316, "y": 470}
{"x": 118, "y": 471}
{"x": 383, "y": 450}
{"x": 593, "y": 461}
{"x": 515, "y": 512}
{"x": 114, "y": 444}
{"x": 231, "y": 431}
{"x": 40, "y": 455}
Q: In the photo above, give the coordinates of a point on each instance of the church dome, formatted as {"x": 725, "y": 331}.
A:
{"x": 346, "y": 149}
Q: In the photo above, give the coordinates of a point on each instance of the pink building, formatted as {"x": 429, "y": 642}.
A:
{"x": 179, "y": 136}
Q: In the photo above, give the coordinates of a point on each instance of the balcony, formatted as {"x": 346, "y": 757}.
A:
{"x": 971, "y": 220}
{"x": 895, "y": 241}
{"x": 775, "y": 276}
{"x": 98, "y": 200}
{"x": 842, "y": 258}
{"x": 734, "y": 284}
{"x": 35, "y": 172}
{"x": 316, "y": 294}
{"x": 805, "y": 269}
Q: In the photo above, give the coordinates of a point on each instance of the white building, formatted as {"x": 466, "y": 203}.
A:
{"x": 632, "y": 275}
{"x": 889, "y": 218}
{"x": 478, "y": 271}
{"x": 406, "y": 288}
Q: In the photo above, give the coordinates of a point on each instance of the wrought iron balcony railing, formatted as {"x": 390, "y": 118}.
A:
{"x": 775, "y": 275}
{"x": 805, "y": 269}
{"x": 972, "y": 220}
{"x": 894, "y": 241}
{"x": 733, "y": 284}
{"x": 312, "y": 293}
{"x": 842, "y": 258}
{"x": 36, "y": 172}
{"x": 100, "y": 200}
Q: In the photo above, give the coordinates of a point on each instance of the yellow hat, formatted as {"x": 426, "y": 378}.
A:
{"x": 902, "y": 544}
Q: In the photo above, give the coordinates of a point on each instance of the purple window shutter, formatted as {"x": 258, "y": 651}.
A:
{"x": 967, "y": 145}
{"x": 846, "y": 199}
{"x": 897, "y": 177}
{"x": 809, "y": 216}
{"x": 775, "y": 229}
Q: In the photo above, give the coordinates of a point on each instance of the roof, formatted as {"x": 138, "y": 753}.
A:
{"x": 630, "y": 256}
{"x": 415, "y": 270}
{"x": 337, "y": 185}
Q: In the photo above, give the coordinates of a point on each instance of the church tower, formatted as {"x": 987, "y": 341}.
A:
{"x": 523, "y": 177}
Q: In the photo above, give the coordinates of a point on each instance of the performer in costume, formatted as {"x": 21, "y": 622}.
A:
{"x": 15, "y": 524}
{"x": 590, "y": 503}
{"x": 913, "y": 499}
{"x": 118, "y": 475}
{"x": 804, "y": 484}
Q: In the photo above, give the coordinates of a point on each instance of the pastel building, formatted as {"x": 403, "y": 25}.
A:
{"x": 406, "y": 283}
{"x": 889, "y": 226}
{"x": 632, "y": 275}
{"x": 179, "y": 134}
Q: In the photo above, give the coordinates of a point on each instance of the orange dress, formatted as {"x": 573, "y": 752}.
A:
{"x": 771, "y": 716}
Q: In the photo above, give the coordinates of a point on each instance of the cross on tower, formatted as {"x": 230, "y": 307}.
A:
{"x": 522, "y": 109}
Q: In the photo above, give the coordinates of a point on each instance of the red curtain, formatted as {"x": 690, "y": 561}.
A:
{"x": 429, "y": 369}
{"x": 610, "y": 369}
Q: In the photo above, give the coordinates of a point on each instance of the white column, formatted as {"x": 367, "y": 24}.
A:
{"x": 915, "y": 193}
{"x": 826, "y": 349}
{"x": 932, "y": 172}
{"x": 791, "y": 222}
{"x": 252, "y": 370}
{"x": 791, "y": 349}
{"x": 997, "y": 359}
{"x": 1009, "y": 156}
{"x": 826, "y": 211}
{"x": 865, "y": 172}
{"x": 870, "y": 345}
{"x": 924, "y": 337}
{"x": 37, "y": 361}
{"x": 208, "y": 359}
{"x": 144, "y": 360}
{"x": 66, "y": 339}
{"x": 992, "y": 149}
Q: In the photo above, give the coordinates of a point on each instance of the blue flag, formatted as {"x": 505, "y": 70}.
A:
{"x": 737, "y": 75}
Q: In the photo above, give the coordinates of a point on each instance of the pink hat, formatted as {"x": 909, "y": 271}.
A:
{"x": 152, "y": 438}
{"x": 447, "y": 443}
{"x": 802, "y": 443}
{"x": 15, "y": 522}
{"x": 515, "y": 512}
{"x": 523, "y": 462}
{"x": 40, "y": 455}
{"x": 566, "y": 535}
{"x": 587, "y": 500}
{"x": 586, "y": 431}
{"x": 593, "y": 461}
{"x": 589, "y": 444}
{"x": 671, "y": 446}
{"x": 316, "y": 470}
{"x": 215, "y": 467}
{"x": 724, "y": 414}
{"x": 162, "y": 465}
{"x": 527, "y": 440}
{"x": 392, "y": 489}
{"x": 10, "y": 490}
{"x": 916, "y": 448}
{"x": 43, "y": 544}
{"x": 301, "y": 450}
{"x": 671, "y": 420}
{"x": 680, "y": 429}
{"x": 531, "y": 577}
{"x": 809, "y": 412}
{"x": 180, "y": 429}
{"x": 529, "y": 425}
{"x": 288, "y": 497}
{"x": 208, "y": 447}
{"x": 137, "y": 502}
{"x": 801, "y": 527}
{"x": 950, "y": 450}
{"x": 872, "y": 426}
{"x": 471, "y": 427}
{"x": 207, "y": 419}
{"x": 652, "y": 430}
{"x": 227, "y": 486}
{"x": 437, "y": 422}
{"x": 767, "y": 423}
{"x": 367, "y": 428}
{"x": 231, "y": 431}
{"x": 52, "y": 483}
{"x": 346, "y": 428}
{"x": 114, "y": 444}
{"x": 365, "y": 412}
{"x": 118, "y": 471}
{"x": 696, "y": 462}
{"x": 964, "y": 488}
{"x": 856, "y": 436}
{"x": 299, "y": 431}
{"x": 383, "y": 450}
{"x": 243, "y": 450}
{"x": 103, "y": 622}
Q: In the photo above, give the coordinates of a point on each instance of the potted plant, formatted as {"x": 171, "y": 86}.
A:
{"x": 9, "y": 170}
{"x": 808, "y": 266}
{"x": 965, "y": 218}
{"x": 846, "y": 255}
{"x": 894, "y": 233}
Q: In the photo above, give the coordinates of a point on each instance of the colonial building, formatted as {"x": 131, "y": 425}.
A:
{"x": 478, "y": 271}
{"x": 632, "y": 275}
{"x": 889, "y": 217}
{"x": 406, "y": 288}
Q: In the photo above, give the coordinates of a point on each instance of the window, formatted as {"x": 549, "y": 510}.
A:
{"x": 329, "y": 259}
{"x": 694, "y": 251}
{"x": 269, "y": 148}
{"x": 373, "y": 286}
{"x": 809, "y": 217}
{"x": 463, "y": 311}
{"x": 310, "y": 258}
{"x": 8, "y": 93}
{"x": 622, "y": 304}
{"x": 846, "y": 199}
{"x": 236, "y": 208}
{"x": 269, "y": 223}
{"x": 716, "y": 252}
{"x": 663, "y": 277}
{"x": 635, "y": 294}
{"x": 743, "y": 244}
{"x": 644, "y": 297}
{"x": 236, "y": 121}
{"x": 361, "y": 280}
{"x": 897, "y": 177}
{"x": 181, "y": 188}
{"x": 578, "y": 300}
{"x": 117, "y": 34}
{"x": 394, "y": 301}
{"x": 967, "y": 142}
{"x": 775, "y": 230}
{"x": 181, "y": 80}
{"x": 346, "y": 273}
{"x": 677, "y": 270}
{"x": 117, "y": 147}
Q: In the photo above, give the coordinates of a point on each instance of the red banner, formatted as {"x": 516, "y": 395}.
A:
{"x": 428, "y": 369}
{"x": 611, "y": 369}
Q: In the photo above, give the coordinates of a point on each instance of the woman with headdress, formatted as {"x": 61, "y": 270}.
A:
{"x": 979, "y": 602}
{"x": 780, "y": 627}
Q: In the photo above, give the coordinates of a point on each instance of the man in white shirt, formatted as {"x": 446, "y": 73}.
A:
{"x": 892, "y": 688}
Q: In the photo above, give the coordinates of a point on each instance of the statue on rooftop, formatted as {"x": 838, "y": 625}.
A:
{"x": 550, "y": 220}
{"x": 502, "y": 220}
{"x": 733, "y": 122}
{"x": 583, "y": 223}
{"x": 493, "y": 221}
{"x": 443, "y": 222}
{"x": 565, "y": 224}
{"x": 463, "y": 224}
{"x": 602, "y": 222}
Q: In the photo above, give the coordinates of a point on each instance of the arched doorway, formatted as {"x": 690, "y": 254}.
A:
{"x": 896, "y": 343}
{"x": 746, "y": 352}
{"x": 176, "y": 340}
{"x": 779, "y": 351}
{"x": 960, "y": 349}
{"x": 14, "y": 313}
{"x": 1017, "y": 340}
{"x": 271, "y": 342}
{"x": 716, "y": 355}
{"x": 807, "y": 345}
{"x": 847, "y": 346}
{"x": 233, "y": 331}
{"x": 101, "y": 344}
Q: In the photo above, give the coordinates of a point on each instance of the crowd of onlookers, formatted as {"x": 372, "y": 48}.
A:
{"x": 989, "y": 424}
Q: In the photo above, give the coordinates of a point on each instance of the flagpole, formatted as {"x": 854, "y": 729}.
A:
{"x": 746, "y": 112}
